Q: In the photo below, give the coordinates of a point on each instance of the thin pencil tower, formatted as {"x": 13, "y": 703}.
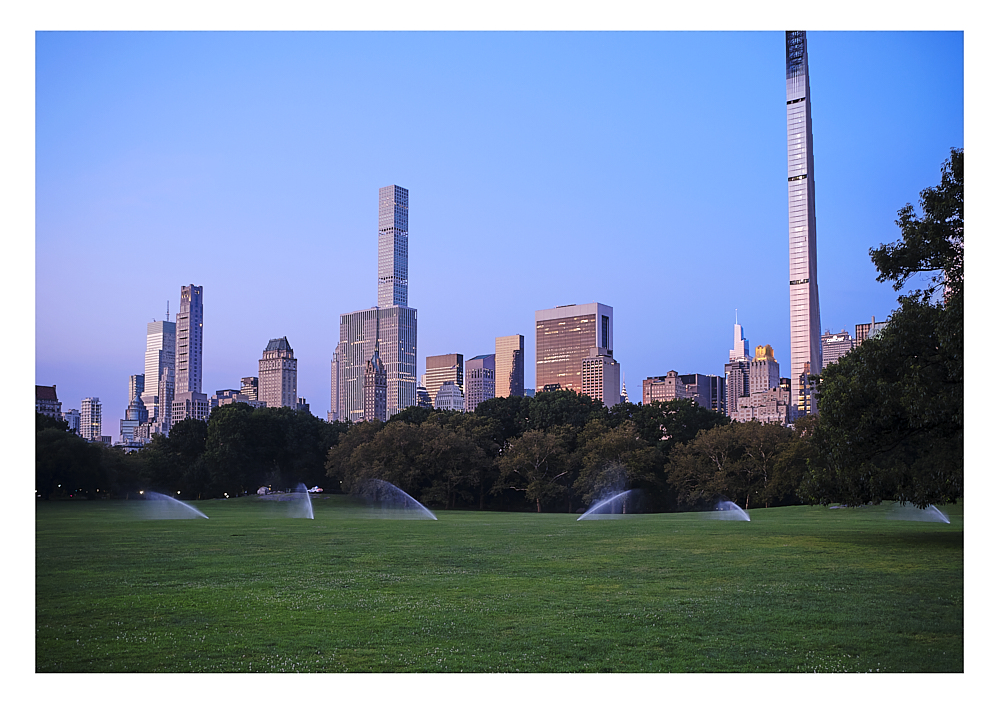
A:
{"x": 803, "y": 290}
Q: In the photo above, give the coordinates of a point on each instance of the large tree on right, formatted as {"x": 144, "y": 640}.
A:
{"x": 890, "y": 425}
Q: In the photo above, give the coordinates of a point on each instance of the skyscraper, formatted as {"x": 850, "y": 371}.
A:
{"x": 393, "y": 245}
{"x": 160, "y": 351}
{"x": 564, "y": 336}
{"x": 190, "y": 323}
{"x": 480, "y": 380}
{"x": 393, "y": 320}
{"x": 510, "y": 366}
{"x": 278, "y": 374}
{"x": 443, "y": 368}
{"x": 90, "y": 418}
{"x": 600, "y": 376}
{"x": 807, "y": 353}
{"x": 768, "y": 401}
{"x": 835, "y": 346}
{"x": 737, "y": 371}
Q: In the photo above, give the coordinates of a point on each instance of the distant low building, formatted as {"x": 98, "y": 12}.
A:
{"x": 46, "y": 401}
{"x": 835, "y": 346}
{"x": 449, "y": 396}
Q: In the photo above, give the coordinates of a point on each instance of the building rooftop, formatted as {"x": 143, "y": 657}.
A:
{"x": 47, "y": 393}
{"x": 278, "y": 344}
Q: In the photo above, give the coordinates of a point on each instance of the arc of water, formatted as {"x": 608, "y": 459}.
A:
{"x": 185, "y": 510}
{"x": 607, "y": 502}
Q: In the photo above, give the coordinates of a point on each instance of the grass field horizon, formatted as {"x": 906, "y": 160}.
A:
{"x": 797, "y": 589}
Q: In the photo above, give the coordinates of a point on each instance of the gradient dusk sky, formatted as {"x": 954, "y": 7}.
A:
{"x": 643, "y": 170}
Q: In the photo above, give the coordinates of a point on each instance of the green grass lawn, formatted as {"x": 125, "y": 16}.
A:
{"x": 802, "y": 589}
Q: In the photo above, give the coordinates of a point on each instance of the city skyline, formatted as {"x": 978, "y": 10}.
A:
{"x": 130, "y": 173}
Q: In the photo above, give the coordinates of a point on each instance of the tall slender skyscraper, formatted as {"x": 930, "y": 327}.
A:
{"x": 393, "y": 320}
{"x": 393, "y": 245}
{"x": 190, "y": 321}
{"x": 807, "y": 353}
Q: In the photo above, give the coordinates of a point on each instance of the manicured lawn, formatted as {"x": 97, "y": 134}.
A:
{"x": 795, "y": 590}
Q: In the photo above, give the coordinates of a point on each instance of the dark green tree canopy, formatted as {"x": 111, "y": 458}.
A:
{"x": 932, "y": 243}
{"x": 891, "y": 410}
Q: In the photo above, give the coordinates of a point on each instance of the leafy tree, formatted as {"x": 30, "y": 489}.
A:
{"x": 412, "y": 415}
{"x": 339, "y": 468}
{"x": 510, "y": 416}
{"x": 614, "y": 460}
{"x": 666, "y": 423}
{"x": 547, "y": 410}
{"x": 538, "y": 464}
{"x": 891, "y": 410}
{"x": 65, "y": 463}
{"x": 736, "y": 461}
{"x": 44, "y": 421}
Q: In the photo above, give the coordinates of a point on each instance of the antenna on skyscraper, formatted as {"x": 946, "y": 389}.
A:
{"x": 168, "y": 310}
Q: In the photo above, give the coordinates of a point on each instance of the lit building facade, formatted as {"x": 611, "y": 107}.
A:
{"x": 72, "y": 419}
{"x": 249, "y": 387}
{"x": 449, "y": 396}
{"x": 393, "y": 245}
{"x": 392, "y": 322}
{"x": 90, "y": 419}
{"x": 189, "y": 405}
{"x": 159, "y": 365}
{"x": 769, "y": 400}
{"x": 480, "y": 380}
{"x": 439, "y": 369}
{"x": 807, "y": 351}
{"x": 708, "y": 391}
{"x": 600, "y": 377}
{"x": 835, "y": 346}
{"x": 277, "y": 374}
{"x": 737, "y": 372}
{"x": 396, "y": 329}
{"x": 564, "y": 337}
{"x": 510, "y": 366}
{"x": 189, "y": 328}
{"x": 863, "y": 331}
{"x": 375, "y": 390}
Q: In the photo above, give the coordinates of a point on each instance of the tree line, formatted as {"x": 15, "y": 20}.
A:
{"x": 557, "y": 451}
{"x": 890, "y": 426}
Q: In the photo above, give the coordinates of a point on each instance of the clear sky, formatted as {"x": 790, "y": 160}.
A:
{"x": 643, "y": 170}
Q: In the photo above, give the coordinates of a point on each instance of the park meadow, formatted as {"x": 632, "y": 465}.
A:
{"x": 797, "y": 589}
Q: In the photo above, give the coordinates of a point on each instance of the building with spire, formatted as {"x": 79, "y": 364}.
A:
{"x": 277, "y": 375}
{"x": 737, "y": 371}
{"x": 392, "y": 317}
{"x": 375, "y": 389}
{"x": 803, "y": 290}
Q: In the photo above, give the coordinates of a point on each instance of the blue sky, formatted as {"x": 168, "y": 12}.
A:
{"x": 644, "y": 170}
